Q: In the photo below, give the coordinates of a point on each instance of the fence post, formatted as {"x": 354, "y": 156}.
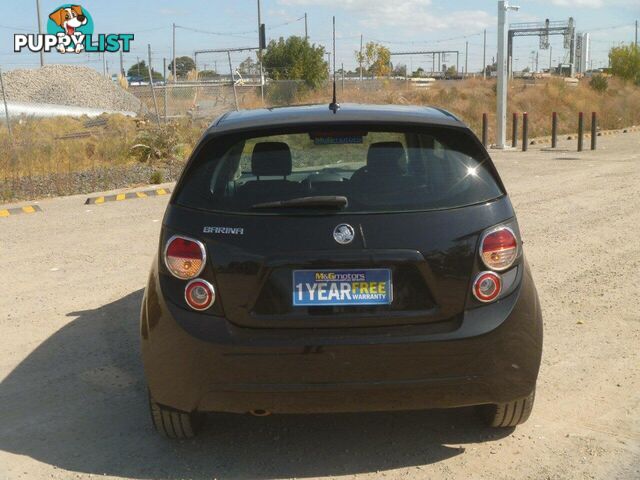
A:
{"x": 514, "y": 128}
{"x": 233, "y": 81}
{"x": 554, "y": 129}
{"x": 164, "y": 75}
{"x": 6, "y": 109}
{"x": 525, "y": 131}
{"x": 580, "y": 130}
{"x": 153, "y": 91}
{"x": 594, "y": 130}
{"x": 485, "y": 130}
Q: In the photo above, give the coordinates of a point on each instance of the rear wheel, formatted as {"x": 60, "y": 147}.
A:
{"x": 509, "y": 414}
{"x": 174, "y": 423}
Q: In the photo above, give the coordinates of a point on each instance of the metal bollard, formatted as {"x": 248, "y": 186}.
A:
{"x": 485, "y": 130}
{"x": 514, "y": 137}
{"x": 580, "y": 130}
{"x": 525, "y": 131}
{"x": 594, "y": 130}
{"x": 554, "y": 130}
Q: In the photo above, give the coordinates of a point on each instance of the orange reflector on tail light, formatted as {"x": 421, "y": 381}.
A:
{"x": 184, "y": 257}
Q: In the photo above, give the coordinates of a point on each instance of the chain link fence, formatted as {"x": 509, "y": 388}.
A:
{"x": 206, "y": 100}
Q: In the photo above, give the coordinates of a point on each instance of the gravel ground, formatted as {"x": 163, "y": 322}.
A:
{"x": 72, "y": 390}
{"x": 68, "y": 85}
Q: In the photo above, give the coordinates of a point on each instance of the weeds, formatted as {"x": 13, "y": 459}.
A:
{"x": 156, "y": 177}
{"x": 599, "y": 83}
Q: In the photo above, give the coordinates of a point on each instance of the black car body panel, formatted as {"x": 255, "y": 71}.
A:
{"x": 434, "y": 345}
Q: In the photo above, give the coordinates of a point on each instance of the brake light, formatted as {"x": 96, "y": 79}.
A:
{"x": 487, "y": 286}
{"x": 184, "y": 257}
{"x": 499, "y": 248}
{"x": 199, "y": 294}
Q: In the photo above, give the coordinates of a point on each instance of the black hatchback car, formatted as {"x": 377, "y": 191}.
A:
{"x": 362, "y": 260}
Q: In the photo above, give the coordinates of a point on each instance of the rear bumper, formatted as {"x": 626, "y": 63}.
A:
{"x": 492, "y": 356}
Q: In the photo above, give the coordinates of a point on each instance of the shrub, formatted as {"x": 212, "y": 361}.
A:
{"x": 156, "y": 177}
{"x": 599, "y": 83}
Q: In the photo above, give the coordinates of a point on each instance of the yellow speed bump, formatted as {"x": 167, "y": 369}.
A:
{"x": 7, "y": 212}
{"x": 126, "y": 196}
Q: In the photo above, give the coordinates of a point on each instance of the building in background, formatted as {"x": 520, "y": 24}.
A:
{"x": 583, "y": 52}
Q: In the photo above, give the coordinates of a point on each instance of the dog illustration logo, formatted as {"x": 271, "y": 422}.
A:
{"x": 70, "y": 30}
{"x": 71, "y": 21}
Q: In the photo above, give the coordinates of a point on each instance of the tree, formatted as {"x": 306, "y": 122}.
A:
{"x": 418, "y": 73}
{"x": 625, "y": 62}
{"x": 399, "y": 71}
{"x": 248, "y": 67}
{"x": 141, "y": 70}
{"x": 183, "y": 66}
{"x": 451, "y": 72}
{"x": 295, "y": 59}
{"x": 207, "y": 74}
{"x": 376, "y": 58}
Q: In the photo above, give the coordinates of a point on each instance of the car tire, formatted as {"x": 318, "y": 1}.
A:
{"x": 510, "y": 414}
{"x": 174, "y": 423}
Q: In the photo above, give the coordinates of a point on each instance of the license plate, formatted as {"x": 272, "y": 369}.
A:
{"x": 315, "y": 288}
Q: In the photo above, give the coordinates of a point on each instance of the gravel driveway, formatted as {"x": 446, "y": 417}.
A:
{"x": 73, "y": 399}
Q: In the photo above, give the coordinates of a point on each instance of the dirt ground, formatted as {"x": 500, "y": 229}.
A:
{"x": 72, "y": 395}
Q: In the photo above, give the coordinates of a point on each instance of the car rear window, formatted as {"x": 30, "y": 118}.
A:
{"x": 375, "y": 170}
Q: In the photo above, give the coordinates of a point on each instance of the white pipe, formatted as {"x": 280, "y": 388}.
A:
{"x": 17, "y": 109}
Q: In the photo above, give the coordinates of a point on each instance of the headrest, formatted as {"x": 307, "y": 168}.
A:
{"x": 386, "y": 158}
{"x": 271, "y": 159}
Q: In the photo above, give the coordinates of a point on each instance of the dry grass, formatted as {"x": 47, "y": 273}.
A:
{"x": 60, "y": 146}
{"x": 65, "y": 144}
{"x": 47, "y": 154}
{"x": 618, "y": 107}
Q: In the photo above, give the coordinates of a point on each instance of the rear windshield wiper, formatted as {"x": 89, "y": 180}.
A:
{"x": 328, "y": 201}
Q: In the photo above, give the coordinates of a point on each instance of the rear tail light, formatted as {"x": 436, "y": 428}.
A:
{"x": 184, "y": 257}
{"x": 487, "y": 286}
{"x": 199, "y": 294}
{"x": 499, "y": 248}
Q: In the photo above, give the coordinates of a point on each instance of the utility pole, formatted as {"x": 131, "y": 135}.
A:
{"x": 360, "y": 57}
{"x": 174, "y": 54}
{"x": 306, "y": 28}
{"x": 537, "y": 65}
{"x": 501, "y": 108}
{"x": 40, "y": 31}
{"x": 636, "y": 42}
{"x": 550, "y": 59}
{"x": 122, "y": 64}
{"x": 138, "y": 64}
{"x": 466, "y": 57}
{"x": 104, "y": 64}
{"x": 484, "y": 55}
{"x": 149, "y": 57}
{"x": 259, "y": 55}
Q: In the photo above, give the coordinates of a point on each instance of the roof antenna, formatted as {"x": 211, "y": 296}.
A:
{"x": 334, "y": 105}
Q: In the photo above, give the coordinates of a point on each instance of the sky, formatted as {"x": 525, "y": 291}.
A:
{"x": 401, "y": 25}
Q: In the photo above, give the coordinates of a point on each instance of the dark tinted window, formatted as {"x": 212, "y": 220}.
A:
{"x": 377, "y": 171}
